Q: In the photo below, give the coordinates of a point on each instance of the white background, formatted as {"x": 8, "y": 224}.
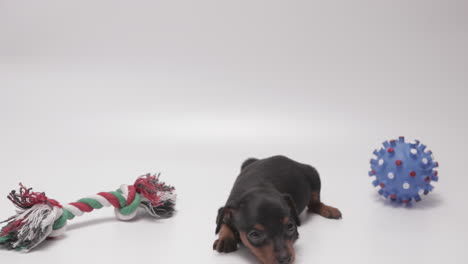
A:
{"x": 94, "y": 93}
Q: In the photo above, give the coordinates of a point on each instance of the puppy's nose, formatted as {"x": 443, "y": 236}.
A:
{"x": 284, "y": 259}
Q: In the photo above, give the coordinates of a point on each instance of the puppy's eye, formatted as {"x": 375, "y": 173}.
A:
{"x": 290, "y": 228}
{"x": 256, "y": 236}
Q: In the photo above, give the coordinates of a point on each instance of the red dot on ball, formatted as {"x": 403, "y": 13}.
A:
{"x": 413, "y": 174}
{"x": 382, "y": 185}
{"x": 390, "y": 150}
{"x": 398, "y": 162}
{"x": 428, "y": 179}
{"x": 393, "y": 196}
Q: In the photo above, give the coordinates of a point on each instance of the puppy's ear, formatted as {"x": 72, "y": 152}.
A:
{"x": 292, "y": 208}
{"x": 224, "y": 217}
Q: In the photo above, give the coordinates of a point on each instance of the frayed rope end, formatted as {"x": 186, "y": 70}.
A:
{"x": 158, "y": 199}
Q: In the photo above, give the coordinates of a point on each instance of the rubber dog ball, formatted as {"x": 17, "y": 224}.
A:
{"x": 403, "y": 171}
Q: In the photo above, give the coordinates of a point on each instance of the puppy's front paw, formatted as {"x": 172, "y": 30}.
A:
{"x": 330, "y": 212}
{"x": 225, "y": 244}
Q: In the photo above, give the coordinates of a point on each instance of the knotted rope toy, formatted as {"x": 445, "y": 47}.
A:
{"x": 39, "y": 217}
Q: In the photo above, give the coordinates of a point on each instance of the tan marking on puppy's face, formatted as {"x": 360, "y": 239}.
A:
{"x": 259, "y": 227}
{"x": 264, "y": 254}
{"x": 292, "y": 252}
{"x": 289, "y": 243}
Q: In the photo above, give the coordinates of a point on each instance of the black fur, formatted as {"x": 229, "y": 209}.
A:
{"x": 248, "y": 162}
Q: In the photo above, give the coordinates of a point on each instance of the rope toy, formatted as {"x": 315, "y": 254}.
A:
{"x": 404, "y": 171}
{"x": 39, "y": 217}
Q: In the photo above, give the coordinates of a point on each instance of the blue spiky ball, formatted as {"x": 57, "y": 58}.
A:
{"x": 403, "y": 171}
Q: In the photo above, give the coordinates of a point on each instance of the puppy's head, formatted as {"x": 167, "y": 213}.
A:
{"x": 266, "y": 222}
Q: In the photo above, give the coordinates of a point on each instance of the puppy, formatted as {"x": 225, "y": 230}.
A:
{"x": 262, "y": 211}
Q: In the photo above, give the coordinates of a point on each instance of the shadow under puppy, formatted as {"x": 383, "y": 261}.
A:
{"x": 262, "y": 211}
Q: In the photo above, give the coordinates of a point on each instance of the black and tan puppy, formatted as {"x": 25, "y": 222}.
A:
{"x": 262, "y": 211}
